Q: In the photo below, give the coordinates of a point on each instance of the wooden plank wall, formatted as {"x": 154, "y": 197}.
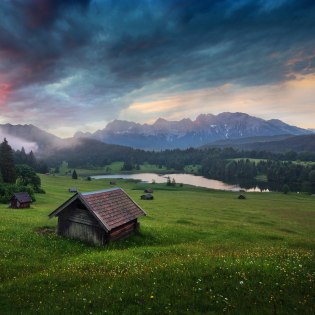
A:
{"x": 79, "y": 224}
{"x": 124, "y": 230}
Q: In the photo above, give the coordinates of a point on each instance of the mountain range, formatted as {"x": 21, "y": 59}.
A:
{"x": 225, "y": 129}
{"x": 205, "y": 129}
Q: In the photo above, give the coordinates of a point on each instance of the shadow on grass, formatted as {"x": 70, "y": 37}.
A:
{"x": 185, "y": 222}
{"x": 139, "y": 239}
{"x": 45, "y": 230}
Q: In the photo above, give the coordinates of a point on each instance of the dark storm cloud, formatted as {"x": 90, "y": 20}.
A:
{"x": 90, "y": 54}
{"x": 42, "y": 13}
{"x": 34, "y": 36}
{"x": 219, "y": 45}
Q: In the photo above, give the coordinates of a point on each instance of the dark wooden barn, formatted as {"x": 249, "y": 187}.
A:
{"x": 20, "y": 200}
{"x": 98, "y": 217}
{"x": 147, "y": 197}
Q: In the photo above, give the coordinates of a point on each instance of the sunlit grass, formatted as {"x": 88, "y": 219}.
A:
{"x": 199, "y": 251}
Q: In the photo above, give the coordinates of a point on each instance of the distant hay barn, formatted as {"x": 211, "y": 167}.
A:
{"x": 241, "y": 197}
{"x": 98, "y": 217}
{"x": 147, "y": 197}
{"x": 72, "y": 190}
{"x": 20, "y": 200}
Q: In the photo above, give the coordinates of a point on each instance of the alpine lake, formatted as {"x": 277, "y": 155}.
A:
{"x": 189, "y": 179}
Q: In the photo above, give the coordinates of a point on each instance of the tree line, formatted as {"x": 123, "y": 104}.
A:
{"x": 295, "y": 176}
{"x": 88, "y": 153}
{"x": 16, "y": 177}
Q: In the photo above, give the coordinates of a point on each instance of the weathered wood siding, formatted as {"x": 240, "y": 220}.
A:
{"x": 13, "y": 203}
{"x": 124, "y": 230}
{"x": 17, "y": 205}
{"x": 25, "y": 205}
{"x": 79, "y": 224}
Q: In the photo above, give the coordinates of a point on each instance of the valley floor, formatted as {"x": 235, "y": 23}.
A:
{"x": 199, "y": 251}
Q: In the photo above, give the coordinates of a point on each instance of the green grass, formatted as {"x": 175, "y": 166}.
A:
{"x": 112, "y": 168}
{"x": 199, "y": 252}
{"x": 115, "y": 168}
{"x": 153, "y": 168}
{"x": 305, "y": 163}
{"x": 256, "y": 161}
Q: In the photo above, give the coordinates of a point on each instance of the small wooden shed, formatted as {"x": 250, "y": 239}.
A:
{"x": 147, "y": 197}
{"x": 72, "y": 190}
{"x": 20, "y": 200}
{"x": 148, "y": 190}
{"x": 98, "y": 217}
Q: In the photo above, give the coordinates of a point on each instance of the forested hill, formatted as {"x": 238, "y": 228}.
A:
{"x": 280, "y": 144}
{"x": 86, "y": 152}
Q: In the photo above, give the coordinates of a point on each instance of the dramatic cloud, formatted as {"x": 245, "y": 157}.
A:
{"x": 67, "y": 65}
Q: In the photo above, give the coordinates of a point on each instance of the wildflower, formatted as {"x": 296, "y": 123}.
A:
{"x": 151, "y": 296}
{"x": 241, "y": 282}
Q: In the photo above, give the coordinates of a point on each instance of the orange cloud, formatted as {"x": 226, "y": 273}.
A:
{"x": 292, "y": 101}
{"x": 176, "y": 101}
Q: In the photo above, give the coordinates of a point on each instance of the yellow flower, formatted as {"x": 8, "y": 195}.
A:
{"x": 151, "y": 296}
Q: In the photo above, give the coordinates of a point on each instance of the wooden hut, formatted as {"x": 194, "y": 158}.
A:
{"x": 72, "y": 190}
{"x": 98, "y": 217}
{"x": 147, "y": 197}
{"x": 20, "y": 200}
{"x": 148, "y": 190}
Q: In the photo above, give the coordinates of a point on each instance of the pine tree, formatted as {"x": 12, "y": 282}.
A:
{"x": 23, "y": 156}
{"x": 74, "y": 175}
{"x": 7, "y": 166}
{"x": 31, "y": 160}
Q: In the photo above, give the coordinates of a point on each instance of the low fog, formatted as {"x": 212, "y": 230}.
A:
{"x": 17, "y": 143}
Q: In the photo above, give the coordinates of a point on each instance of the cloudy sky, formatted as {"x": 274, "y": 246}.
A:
{"x": 78, "y": 64}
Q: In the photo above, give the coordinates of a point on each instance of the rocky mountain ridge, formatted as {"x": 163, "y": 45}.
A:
{"x": 205, "y": 129}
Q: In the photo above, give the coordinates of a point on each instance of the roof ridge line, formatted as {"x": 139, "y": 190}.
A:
{"x": 100, "y": 191}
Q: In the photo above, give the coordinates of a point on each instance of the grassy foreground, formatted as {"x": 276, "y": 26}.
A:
{"x": 199, "y": 252}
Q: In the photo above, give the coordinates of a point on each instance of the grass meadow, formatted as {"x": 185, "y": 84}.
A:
{"x": 116, "y": 168}
{"x": 199, "y": 251}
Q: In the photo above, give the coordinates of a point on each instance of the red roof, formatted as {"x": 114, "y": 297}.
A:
{"x": 112, "y": 207}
